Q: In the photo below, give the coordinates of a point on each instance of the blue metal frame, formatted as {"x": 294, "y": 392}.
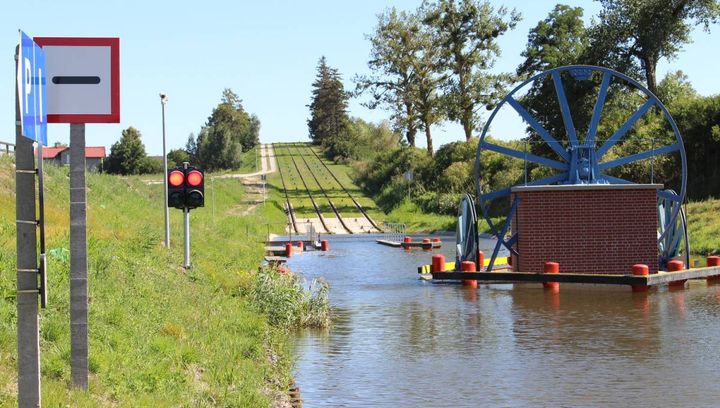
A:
{"x": 580, "y": 162}
{"x": 501, "y": 239}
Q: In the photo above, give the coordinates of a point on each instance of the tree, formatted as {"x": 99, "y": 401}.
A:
{"x": 328, "y": 109}
{"x": 641, "y": 32}
{"x": 126, "y": 155}
{"x": 393, "y": 51}
{"x": 229, "y": 131}
{"x": 466, "y": 31}
{"x": 176, "y": 157}
{"x": 558, "y": 40}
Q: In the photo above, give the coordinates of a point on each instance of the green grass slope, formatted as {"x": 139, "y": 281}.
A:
{"x": 159, "y": 335}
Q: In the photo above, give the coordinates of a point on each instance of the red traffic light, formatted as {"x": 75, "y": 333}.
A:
{"x": 176, "y": 178}
{"x": 194, "y": 178}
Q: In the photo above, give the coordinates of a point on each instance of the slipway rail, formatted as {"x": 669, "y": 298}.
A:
{"x": 325, "y": 193}
{"x": 291, "y": 211}
{"x": 357, "y": 204}
{"x": 307, "y": 190}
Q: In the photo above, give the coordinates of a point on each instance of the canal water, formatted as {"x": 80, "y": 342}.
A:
{"x": 397, "y": 341}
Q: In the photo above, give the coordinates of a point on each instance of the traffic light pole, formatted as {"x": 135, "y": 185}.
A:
{"x": 186, "y": 222}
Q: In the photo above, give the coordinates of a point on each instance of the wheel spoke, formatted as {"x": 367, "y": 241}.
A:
{"x": 506, "y": 191}
{"x": 494, "y": 194}
{"x": 624, "y": 128}
{"x": 639, "y": 156}
{"x": 565, "y": 109}
{"x": 597, "y": 112}
{"x": 524, "y": 156}
{"x": 554, "y": 144}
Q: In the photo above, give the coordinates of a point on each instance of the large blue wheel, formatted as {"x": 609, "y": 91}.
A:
{"x": 569, "y": 157}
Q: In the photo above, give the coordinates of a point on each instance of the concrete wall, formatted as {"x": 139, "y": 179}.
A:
{"x": 587, "y": 229}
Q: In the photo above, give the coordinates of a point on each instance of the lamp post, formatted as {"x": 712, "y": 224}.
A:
{"x": 163, "y": 101}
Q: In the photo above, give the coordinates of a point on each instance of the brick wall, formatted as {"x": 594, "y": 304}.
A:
{"x": 587, "y": 229}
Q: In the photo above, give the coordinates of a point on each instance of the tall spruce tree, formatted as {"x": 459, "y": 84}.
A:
{"x": 328, "y": 109}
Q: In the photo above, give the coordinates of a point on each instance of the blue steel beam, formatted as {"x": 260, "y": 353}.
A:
{"x": 565, "y": 109}
{"x": 669, "y": 196}
{"x": 524, "y": 156}
{"x": 640, "y": 156}
{"x": 505, "y": 191}
{"x": 597, "y": 112}
{"x": 554, "y": 144}
{"x": 624, "y": 128}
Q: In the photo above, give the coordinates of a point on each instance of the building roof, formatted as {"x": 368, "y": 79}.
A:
{"x": 51, "y": 152}
{"x": 91, "y": 152}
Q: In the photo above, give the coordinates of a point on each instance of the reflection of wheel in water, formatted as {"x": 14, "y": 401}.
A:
{"x": 579, "y": 153}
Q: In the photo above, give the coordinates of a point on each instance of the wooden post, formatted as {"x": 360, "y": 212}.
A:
{"x": 78, "y": 259}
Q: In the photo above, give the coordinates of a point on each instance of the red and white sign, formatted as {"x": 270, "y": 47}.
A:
{"x": 83, "y": 79}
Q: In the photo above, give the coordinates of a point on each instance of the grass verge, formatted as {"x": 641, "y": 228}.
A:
{"x": 159, "y": 335}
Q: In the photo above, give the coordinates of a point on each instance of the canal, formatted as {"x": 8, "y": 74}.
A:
{"x": 397, "y": 341}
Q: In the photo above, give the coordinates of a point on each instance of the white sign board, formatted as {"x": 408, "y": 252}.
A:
{"x": 83, "y": 79}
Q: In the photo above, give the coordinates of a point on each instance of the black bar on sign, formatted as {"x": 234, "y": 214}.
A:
{"x": 76, "y": 80}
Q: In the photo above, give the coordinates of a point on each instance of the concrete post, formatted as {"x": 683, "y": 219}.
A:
{"x": 78, "y": 259}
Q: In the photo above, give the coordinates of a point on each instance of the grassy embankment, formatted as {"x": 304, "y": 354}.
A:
{"x": 159, "y": 335}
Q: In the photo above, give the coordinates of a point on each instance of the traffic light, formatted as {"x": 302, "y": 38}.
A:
{"x": 186, "y": 188}
{"x": 176, "y": 187}
{"x": 194, "y": 188}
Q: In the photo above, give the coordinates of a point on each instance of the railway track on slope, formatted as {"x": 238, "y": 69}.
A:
{"x": 309, "y": 193}
{"x": 291, "y": 211}
{"x": 325, "y": 193}
{"x": 357, "y": 204}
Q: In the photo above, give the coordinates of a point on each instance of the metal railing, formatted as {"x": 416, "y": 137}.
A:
{"x": 7, "y": 148}
{"x": 394, "y": 232}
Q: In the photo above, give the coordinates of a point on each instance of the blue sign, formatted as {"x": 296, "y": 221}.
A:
{"x": 32, "y": 90}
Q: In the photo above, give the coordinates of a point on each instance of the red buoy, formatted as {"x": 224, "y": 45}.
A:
{"x": 324, "y": 245}
{"x": 675, "y": 266}
{"x": 288, "y": 250}
{"x": 426, "y": 244}
{"x": 301, "y": 245}
{"x": 406, "y": 241}
{"x": 713, "y": 261}
{"x": 551, "y": 267}
{"x": 438, "y": 263}
{"x": 481, "y": 260}
{"x": 468, "y": 266}
{"x": 640, "y": 270}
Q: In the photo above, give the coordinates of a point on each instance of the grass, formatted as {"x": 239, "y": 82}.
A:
{"x": 159, "y": 335}
{"x": 704, "y": 226}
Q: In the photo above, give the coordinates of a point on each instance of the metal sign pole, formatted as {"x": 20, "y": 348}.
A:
{"x": 78, "y": 259}
{"x": 163, "y": 101}
{"x": 28, "y": 320}
{"x": 186, "y": 222}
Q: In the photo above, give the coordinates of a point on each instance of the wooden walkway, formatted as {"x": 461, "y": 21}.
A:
{"x": 414, "y": 244}
{"x": 606, "y": 279}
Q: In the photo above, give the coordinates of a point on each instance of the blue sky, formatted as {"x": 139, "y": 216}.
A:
{"x": 266, "y": 51}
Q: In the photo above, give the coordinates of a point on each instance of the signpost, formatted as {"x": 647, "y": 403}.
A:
{"x": 31, "y": 126}
{"x": 84, "y": 87}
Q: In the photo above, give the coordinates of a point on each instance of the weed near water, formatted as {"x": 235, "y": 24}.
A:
{"x": 287, "y": 302}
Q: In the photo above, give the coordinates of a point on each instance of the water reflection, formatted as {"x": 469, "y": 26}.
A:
{"x": 398, "y": 341}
